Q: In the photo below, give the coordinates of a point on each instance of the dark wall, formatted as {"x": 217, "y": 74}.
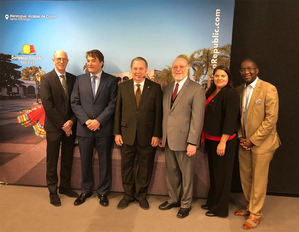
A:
{"x": 268, "y": 32}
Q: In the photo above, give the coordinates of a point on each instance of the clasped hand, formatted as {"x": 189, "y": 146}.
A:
{"x": 92, "y": 124}
{"x": 246, "y": 144}
{"x": 67, "y": 127}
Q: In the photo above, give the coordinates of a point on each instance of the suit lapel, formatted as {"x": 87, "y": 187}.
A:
{"x": 130, "y": 91}
{"x": 102, "y": 84}
{"x": 253, "y": 98}
{"x": 57, "y": 83}
{"x": 86, "y": 85}
{"x": 145, "y": 91}
{"x": 168, "y": 95}
{"x": 180, "y": 94}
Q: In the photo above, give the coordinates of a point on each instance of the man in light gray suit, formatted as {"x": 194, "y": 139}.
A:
{"x": 183, "y": 116}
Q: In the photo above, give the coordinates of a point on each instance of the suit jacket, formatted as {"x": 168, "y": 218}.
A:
{"x": 223, "y": 113}
{"x": 101, "y": 107}
{"x": 182, "y": 123}
{"x": 144, "y": 121}
{"x": 262, "y": 115}
{"x": 55, "y": 102}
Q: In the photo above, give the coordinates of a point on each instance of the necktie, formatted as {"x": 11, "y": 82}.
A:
{"x": 138, "y": 94}
{"x": 175, "y": 92}
{"x": 63, "y": 83}
{"x": 93, "y": 85}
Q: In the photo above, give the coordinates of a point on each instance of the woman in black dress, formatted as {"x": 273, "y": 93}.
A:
{"x": 221, "y": 142}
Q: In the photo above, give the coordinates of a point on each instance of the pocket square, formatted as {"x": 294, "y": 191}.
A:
{"x": 258, "y": 101}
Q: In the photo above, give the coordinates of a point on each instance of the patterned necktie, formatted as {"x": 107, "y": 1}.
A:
{"x": 138, "y": 94}
{"x": 63, "y": 83}
{"x": 93, "y": 85}
{"x": 175, "y": 92}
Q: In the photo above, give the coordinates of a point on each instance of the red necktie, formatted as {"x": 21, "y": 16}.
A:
{"x": 175, "y": 92}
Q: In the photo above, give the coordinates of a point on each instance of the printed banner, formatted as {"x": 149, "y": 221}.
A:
{"x": 158, "y": 30}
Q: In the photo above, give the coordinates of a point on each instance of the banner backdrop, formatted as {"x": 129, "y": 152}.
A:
{"x": 31, "y": 31}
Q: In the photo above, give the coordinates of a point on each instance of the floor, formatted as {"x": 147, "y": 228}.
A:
{"x": 25, "y": 209}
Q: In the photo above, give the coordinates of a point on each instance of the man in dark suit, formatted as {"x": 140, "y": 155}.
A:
{"x": 55, "y": 91}
{"x": 93, "y": 102}
{"x": 183, "y": 115}
{"x": 137, "y": 129}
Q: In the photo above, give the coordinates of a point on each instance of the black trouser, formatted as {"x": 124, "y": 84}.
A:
{"x": 136, "y": 169}
{"x": 221, "y": 169}
{"x": 103, "y": 146}
{"x": 55, "y": 140}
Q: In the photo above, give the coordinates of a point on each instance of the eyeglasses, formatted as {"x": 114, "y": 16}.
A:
{"x": 242, "y": 70}
{"x": 61, "y": 59}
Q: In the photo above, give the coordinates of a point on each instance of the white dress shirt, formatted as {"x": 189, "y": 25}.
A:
{"x": 248, "y": 93}
{"x": 141, "y": 86}
{"x": 181, "y": 83}
{"x": 98, "y": 80}
{"x": 59, "y": 75}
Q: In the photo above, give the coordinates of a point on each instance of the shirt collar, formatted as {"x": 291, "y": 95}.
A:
{"x": 182, "y": 82}
{"x": 58, "y": 73}
{"x": 141, "y": 83}
{"x": 253, "y": 84}
{"x": 97, "y": 75}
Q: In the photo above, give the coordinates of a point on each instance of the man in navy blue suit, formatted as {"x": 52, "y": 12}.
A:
{"x": 93, "y": 102}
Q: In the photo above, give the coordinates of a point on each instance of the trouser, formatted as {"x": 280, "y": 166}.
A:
{"x": 103, "y": 146}
{"x": 179, "y": 176}
{"x": 136, "y": 169}
{"x": 55, "y": 140}
{"x": 254, "y": 169}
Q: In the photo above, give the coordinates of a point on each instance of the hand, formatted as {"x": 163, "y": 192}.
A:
{"x": 118, "y": 140}
{"x": 69, "y": 133}
{"x": 67, "y": 125}
{"x": 92, "y": 124}
{"x": 246, "y": 144}
{"x": 191, "y": 150}
{"x": 221, "y": 148}
{"x": 155, "y": 141}
{"x": 160, "y": 144}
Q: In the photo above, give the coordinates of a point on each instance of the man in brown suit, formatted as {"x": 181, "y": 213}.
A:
{"x": 137, "y": 129}
{"x": 258, "y": 139}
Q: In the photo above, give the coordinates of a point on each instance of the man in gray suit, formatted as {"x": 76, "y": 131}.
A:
{"x": 183, "y": 115}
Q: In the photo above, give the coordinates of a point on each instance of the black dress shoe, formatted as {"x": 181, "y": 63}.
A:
{"x": 54, "y": 199}
{"x": 124, "y": 202}
{"x": 144, "y": 204}
{"x": 165, "y": 205}
{"x": 68, "y": 192}
{"x": 103, "y": 200}
{"x": 205, "y": 206}
{"x": 81, "y": 199}
{"x": 210, "y": 214}
{"x": 183, "y": 212}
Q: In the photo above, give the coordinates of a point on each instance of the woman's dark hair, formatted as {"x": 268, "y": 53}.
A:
{"x": 213, "y": 86}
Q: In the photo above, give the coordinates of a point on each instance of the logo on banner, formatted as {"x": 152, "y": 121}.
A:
{"x": 28, "y": 50}
{"x": 27, "y": 56}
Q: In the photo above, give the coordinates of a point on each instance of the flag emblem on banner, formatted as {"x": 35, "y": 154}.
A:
{"x": 28, "y": 50}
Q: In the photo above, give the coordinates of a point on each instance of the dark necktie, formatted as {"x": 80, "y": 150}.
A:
{"x": 93, "y": 85}
{"x": 63, "y": 83}
{"x": 175, "y": 92}
{"x": 138, "y": 94}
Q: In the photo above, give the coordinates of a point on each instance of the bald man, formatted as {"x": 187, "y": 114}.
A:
{"x": 55, "y": 91}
